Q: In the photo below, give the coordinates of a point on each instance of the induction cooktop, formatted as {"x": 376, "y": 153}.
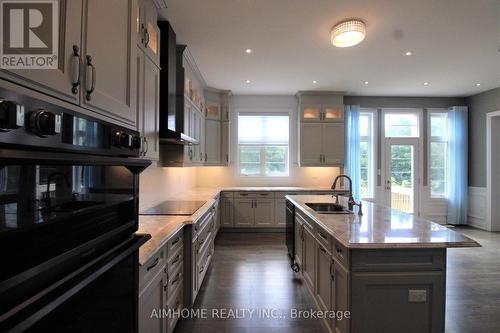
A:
{"x": 174, "y": 207}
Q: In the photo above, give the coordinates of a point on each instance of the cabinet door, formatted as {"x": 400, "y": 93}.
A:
{"x": 243, "y": 213}
{"x": 333, "y": 143}
{"x": 226, "y": 212}
{"x": 212, "y": 142}
{"x": 151, "y": 32}
{"x": 309, "y": 258}
{"x": 299, "y": 242}
{"x": 188, "y": 129}
{"x": 195, "y": 256}
{"x": 280, "y": 212}
{"x": 225, "y": 143}
{"x": 217, "y": 217}
{"x": 213, "y": 110}
{"x": 151, "y": 109}
{"x": 153, "y": 298}
{"x": 324, "y": 274}
{"x": 310, "y": 113}
{"x": 340, "y": 296}
{"x": 311, "y": 143}
{"x": 110, "y": 43}
{"x": 264, "y": 212}
{"x": 140, "y": 96}
{"x": 58, "y": 82}
{"x": 333, "y": 113}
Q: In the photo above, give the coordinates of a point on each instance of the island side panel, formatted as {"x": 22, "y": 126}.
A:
{"x": 398, "y": 290}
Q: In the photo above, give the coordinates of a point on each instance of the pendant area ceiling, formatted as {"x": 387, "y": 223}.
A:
{"x": 454, "y": 44}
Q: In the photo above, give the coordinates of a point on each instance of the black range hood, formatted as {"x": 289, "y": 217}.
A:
{"x": 171, "y": 89}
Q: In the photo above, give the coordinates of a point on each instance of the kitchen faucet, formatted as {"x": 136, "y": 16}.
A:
{"x": 351, "y": 202}
{"x": 46, "y": 198}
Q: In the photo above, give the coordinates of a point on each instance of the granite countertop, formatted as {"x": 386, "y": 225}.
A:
{"x": 162, "y": 227}
{"x": 381, "y": 227}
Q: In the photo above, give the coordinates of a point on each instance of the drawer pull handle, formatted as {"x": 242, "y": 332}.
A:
{"x": 174, "y": 281}
{"x": 165, "y": 288}
{"x": 153, "y": 265}
{"x": 176, "y": 240}
{"x": 332, "y": 271}
{"x": 91, "y": 86}
{"x": 176, "y": 259}
{"x": 201, "y": 269}
{"x": 264, "y": 194}
{"x": 322, "y": 249}
{"x": 244, "y": 194}
{"x": 322, "y": 235}
{"x": 75, "y": 64}
{"x": 339, "y": 251}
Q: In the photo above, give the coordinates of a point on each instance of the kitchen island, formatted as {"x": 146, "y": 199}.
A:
{"x": 383, "y": 271}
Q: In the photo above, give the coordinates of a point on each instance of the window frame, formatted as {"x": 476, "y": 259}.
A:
{"x": 262, "y": 174}
{"x": 403, "y": 111}
{"x": 370, "y": 139}
{"x": 437, "y": 139}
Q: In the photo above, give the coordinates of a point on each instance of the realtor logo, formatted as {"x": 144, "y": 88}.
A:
{"x": 29, "y": 34}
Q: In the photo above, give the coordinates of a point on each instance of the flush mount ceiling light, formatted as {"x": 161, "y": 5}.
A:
{"x": 366, "y": 82}
{"x": 247, "y": 81}
{"x": 348, "y": 33}
{"x": 478, "y": 84}
{"x": 248, "y": 51}
{"x": 315, "y": 82}
{"x": 408, "y": 53}
{"x": 426, "y": 83}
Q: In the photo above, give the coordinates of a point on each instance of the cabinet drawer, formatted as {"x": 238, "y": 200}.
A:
{"x": 324, "y": 238}
{"x": 175, "y": 243}
{"x": 202, "y": 222}
{"x": 281, "y": 195}
{"x": 174, "y": 281}
{"x": 175, "y": 304}
{"x": 228, "y": 195}
{"x": 398, "y": 260}
{"x": 151, "y": 267}
{"x": 251, "y": 194}
{"x": 341, "y": 253}
{"x": 304, "y": 220}
{"x": 204, "y": 263}
{"x": 175, "y": 261}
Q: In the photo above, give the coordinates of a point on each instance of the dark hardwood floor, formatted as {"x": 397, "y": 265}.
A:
{"x": 251, "y": 271}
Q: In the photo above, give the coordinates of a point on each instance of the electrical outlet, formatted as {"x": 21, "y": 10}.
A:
{"x": 417, "y": 296}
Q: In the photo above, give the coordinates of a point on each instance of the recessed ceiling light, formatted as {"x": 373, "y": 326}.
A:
{"x": 366, "y": 82}
{"x": 478, "y": 84}
{"x": 248, "y": 81}
{"x": 315, "y": 82}
{"x": 248, "y": 51}
{"x": 408, "y": 53}
{"x": 426, "y": 83}
{"x": 348, "y": 33}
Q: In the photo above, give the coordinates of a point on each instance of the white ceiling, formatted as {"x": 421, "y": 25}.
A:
{"x": 455, "y": 44}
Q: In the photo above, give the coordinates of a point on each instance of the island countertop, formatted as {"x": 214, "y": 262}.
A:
{"x": 380, "y": 227}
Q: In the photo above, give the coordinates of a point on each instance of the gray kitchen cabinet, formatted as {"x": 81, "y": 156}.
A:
{"x": 227, "y": 212}
{"x": 147, "y": 98}
{"x": 225, "y": 143}
{"x": 244, "y": 213}
{"x": 311, "y": 144}
{"x": 299, "y": 241}
{"x": 212, "y": 142}
{"x": 321, "y": 144}
{"x": 217, "y": 216}
{"x": 280, "y": 212}
{"x": 322, "y": 112}
{"x": 65, "y": 81}
{"x": 153, "y": 298}
{"x": 264, "y": 213}
{"x": 333, "y": 143}
{"x": 309, "y": 257}
{"x": 340, "y": 296}
{"x": 109, "y": 67}
{"x": 148, "y": 33}
{"x": 324, "y": 274}
{"x": 199, "y": 134}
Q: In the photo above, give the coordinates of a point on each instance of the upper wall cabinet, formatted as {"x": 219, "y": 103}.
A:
{"x": 63, "y": 82}
{"x": 321, "y": 129}
{"x": 109, "y": 55}
{"x": 148, "y": 33}
{"x": 321, "y": 107}
{"x": 97, "y": 55}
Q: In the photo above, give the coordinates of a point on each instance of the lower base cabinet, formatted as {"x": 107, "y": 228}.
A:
{"x": 161, "y": 287}
{"x": 371, "y": 290}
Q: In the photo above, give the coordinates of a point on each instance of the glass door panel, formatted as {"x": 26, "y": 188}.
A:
{"x": 402, "y": 176}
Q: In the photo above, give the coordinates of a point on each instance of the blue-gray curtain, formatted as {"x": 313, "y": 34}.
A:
{"x": 352, "y": 148}
{"x": 457, "y": 164}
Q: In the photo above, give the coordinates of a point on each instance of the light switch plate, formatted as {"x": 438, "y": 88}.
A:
{"x": 417, "y": 296}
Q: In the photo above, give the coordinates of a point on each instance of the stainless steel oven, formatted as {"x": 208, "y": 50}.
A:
{"x": 68, "y": 217}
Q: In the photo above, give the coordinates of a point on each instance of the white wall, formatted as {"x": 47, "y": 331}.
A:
{"x": 159, "y": 184}
{"x": 227, "y": 176}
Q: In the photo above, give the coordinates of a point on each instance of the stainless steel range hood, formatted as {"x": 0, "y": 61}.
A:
{"x": 171, "y": 129}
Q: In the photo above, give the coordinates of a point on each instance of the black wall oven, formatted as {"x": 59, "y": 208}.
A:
{"x": 68, "y": 217}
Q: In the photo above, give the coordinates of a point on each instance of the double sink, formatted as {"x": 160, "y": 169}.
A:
{"x": 328, "y": 208}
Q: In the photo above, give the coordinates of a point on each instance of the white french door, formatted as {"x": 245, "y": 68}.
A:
{"x": 401, "y": 174}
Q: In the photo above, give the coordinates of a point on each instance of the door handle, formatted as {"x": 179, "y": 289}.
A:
{"x": 90, "y": 89}
{"x": 75, "y": 66}
{"x": 146, "y": 35}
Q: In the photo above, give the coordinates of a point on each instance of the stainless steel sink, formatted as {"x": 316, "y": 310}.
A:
{"x": 71, "y": 206}
{"x": 328, "y": 208}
